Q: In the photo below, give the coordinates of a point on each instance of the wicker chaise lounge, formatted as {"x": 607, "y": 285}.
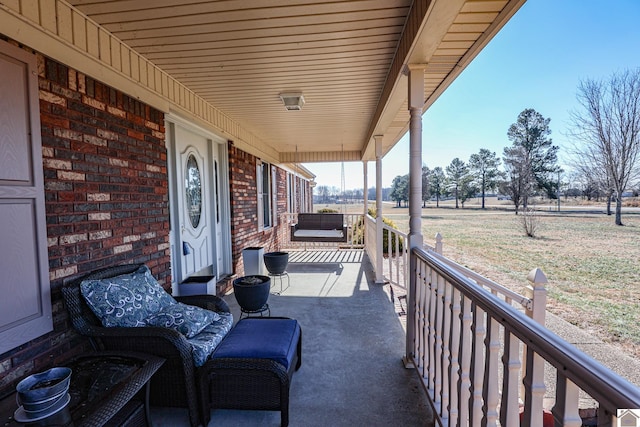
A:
{"x": 175, "y": 384}
{"x": 256, "y": 378}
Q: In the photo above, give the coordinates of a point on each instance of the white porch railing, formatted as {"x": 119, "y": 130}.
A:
{"x": 463, "y": 339}
{"x": 394, "y": 250}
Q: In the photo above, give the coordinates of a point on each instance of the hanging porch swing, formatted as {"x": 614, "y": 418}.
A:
{"x": 321, "y": 227}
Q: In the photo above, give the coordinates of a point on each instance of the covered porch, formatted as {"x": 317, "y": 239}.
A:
{"x": 353, "y": 344}
{"x": 119, "y": 96}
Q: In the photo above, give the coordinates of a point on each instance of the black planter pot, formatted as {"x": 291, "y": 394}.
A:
{"x": 276, "y": 262}
{"x": 252, "y": 292}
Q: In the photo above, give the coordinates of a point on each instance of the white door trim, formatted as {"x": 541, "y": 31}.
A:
{"x": 218, "y": 149}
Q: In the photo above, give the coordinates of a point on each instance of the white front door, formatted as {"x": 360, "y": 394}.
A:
{"x": 195, "y": 242}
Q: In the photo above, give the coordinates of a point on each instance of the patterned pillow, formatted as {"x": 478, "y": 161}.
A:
{"x": 126, "y": 300}
{"x": 189, "y": 320}
{"x": 205, "y": 342}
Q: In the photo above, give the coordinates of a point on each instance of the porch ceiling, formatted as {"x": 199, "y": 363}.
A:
{"x": 346, "y": 57}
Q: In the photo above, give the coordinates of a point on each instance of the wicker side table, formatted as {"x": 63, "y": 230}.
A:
{"x": 107, "y": 389}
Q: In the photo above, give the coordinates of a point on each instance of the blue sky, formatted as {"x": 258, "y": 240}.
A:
{"x": 536, "y": 61}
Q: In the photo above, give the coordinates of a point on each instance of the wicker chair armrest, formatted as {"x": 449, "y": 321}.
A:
{"x": 142, "y": 336}
{"x": 209, "y": 302}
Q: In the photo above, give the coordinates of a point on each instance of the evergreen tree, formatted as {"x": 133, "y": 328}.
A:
{"x": 484, "y": 168}
{"x": 437, "y": 183}
{"x": 532, "y": 158}
{"x": 400, "y": 189}
{"x": 457, "y": 174}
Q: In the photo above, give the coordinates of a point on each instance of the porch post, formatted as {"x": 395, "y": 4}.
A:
{"x": 416, "y": 102}
{"x": 379, "y": 275}
{"x": 365, "y": 195}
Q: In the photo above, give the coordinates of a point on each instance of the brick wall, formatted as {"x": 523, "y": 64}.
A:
{"x": 244, "y": 207}
{"x": 106, "y": 195}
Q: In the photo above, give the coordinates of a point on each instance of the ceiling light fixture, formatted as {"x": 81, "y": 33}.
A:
{"x": 292, "y": 101}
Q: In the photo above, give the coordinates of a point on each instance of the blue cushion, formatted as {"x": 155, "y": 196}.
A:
{"x": 203, "y": 344}
{"x": 256, "y": 338}
{"x": 189, "y": 320}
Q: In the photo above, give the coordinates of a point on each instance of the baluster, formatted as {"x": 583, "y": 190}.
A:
{"x": 509, "y": 405}
{"x": 490, "y": 389}
{"x": 424, "y": 324}
{"x": 397, "y": 257}
{"x": 432, "y": 331}
{"x": 419, "y": 344}
{"x": 439, "y": 308}
{"x": 454, "y": 366}
{"x": 446, "y": 350}
{"x": 565, "y": 410}
{"x": 466, "y": 348}
{"x": 389, "y": 252}
{"x": 534, "y": 389}
{"x": 477, "y": 364}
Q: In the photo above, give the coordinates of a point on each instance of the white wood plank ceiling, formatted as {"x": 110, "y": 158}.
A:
{"x": 346, "y": 57}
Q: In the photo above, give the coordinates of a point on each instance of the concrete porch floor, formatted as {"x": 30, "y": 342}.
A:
{"x": 352, "y": 347}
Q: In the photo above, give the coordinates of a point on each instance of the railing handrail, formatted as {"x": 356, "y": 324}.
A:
{"x": 607, "y": 387}
{"x": 481, "y": 280}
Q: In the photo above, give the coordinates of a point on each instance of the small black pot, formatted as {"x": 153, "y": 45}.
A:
{"x": 276, "y": 262}
{"x": 252, "y": 292}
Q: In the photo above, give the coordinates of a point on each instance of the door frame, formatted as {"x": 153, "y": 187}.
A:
{"x": 219, "y": 144}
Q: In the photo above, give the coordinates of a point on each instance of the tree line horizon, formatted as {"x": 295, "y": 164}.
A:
{"x": 604, "y": 158}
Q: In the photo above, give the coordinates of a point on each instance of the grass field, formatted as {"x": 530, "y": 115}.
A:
{"x": 592, "y": 265}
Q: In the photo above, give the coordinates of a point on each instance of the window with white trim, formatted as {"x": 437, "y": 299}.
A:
{"x": 291, "y": 193}
{"x": 266, "y": 195}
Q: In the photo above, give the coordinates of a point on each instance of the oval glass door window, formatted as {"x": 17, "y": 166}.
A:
{"x": 193, "y": 188}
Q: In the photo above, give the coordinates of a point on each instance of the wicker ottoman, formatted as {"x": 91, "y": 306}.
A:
{"x": 252, "y": 367}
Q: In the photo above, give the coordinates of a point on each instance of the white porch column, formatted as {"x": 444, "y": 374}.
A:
{"x": 365, "y": 195}
{"x": 379, "y": 260}
{"x": 416, "y": 102}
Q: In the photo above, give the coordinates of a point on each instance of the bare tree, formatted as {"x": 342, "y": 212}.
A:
{"x": 608, "y": 125}
{"x": 519, "y": 179}
{"x": 596, "y": 178}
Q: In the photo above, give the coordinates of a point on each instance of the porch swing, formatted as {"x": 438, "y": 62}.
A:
{"x": 320, "y": 227}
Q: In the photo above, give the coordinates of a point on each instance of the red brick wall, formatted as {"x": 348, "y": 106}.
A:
{"x": 106, "y": 195}
{"x": 244, "y": 206}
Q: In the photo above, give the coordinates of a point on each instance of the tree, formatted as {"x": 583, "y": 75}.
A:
{"x": 323, "y": 193}
{"x": 484, "y": 167}
{"x": 596, "y": 180}
{"x": 457, "y": 174}
{"x": 608, "y": 126}
{"x": 468, "y": 188}
{"x": 518, "y": 180}
{"x": 400, "y": 189}
{"x": 531, "y": 160}
{"x": 426, "y": 191}
{"x": 437, "y": 183}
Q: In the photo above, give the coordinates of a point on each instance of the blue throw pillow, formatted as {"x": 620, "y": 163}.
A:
{"x": 126, "y": 300}
{"x": 189, "y": 320}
